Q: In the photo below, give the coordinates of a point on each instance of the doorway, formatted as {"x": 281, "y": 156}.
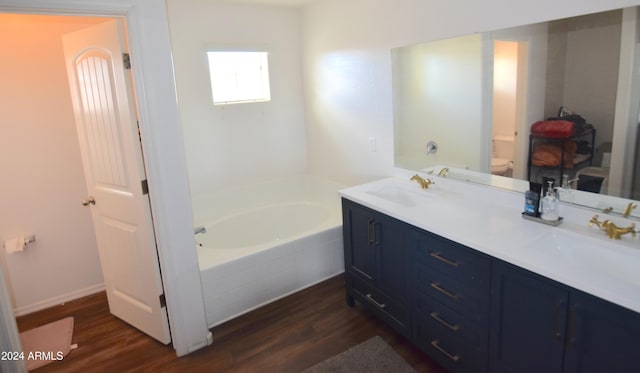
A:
{"x": 45, "y": 160}
{"x": 509, "y": 106}
{"x": 165, "y": 158}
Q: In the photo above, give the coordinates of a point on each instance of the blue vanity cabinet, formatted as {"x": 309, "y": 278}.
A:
{"x": 475, "y": 313}
{"x": 539, "y": 325}
{"x": 450, "y": 305}
{"x": 374, "y": 258}
{"x": 528, "y": 321}
{"x": 601, "y": 336}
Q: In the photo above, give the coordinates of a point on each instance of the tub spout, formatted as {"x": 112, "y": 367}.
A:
{"x": 199, "y": 230}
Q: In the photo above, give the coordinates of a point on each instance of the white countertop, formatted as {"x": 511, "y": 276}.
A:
{"x": 488, "y": 220}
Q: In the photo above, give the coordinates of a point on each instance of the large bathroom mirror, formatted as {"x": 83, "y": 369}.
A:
{"x": 469, "y": 102}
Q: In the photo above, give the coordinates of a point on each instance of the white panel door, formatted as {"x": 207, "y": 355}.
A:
{"x": 112, "y": 159}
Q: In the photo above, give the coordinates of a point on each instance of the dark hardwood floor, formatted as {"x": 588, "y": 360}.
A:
{"x": 288, "y": 335}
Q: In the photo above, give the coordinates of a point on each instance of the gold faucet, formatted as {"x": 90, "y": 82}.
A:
{"x": 614, "y": 232}
{"x": 424, "y": 183}
{"x": 444, "y": 172}
{"x": 627, "y": 210}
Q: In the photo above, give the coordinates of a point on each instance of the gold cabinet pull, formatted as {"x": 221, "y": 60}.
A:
{"x": 441, "y": 258}
{"x": 436, "y": 345}
{"x": 444, "y": 322}
{"x": 444, "y": 291}
{"x": 380, "y": 305}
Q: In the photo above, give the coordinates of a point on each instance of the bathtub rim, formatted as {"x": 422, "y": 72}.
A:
{"x": 207, "y": 258}
{"x": 328, "y": 222}
{"x": 305, "y": 188}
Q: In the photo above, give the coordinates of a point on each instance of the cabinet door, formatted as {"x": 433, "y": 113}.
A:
{"x": 359, "y": 241}
{"x": 389, "y": 237}
{"x": 527, "y": 322}
{"x": 601, "y": 337}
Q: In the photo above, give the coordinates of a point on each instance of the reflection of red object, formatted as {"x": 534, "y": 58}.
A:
{"x": 556, "y": 129}
{"x": 550, "y": 154}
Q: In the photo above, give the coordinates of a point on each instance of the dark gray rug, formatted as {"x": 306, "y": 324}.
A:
{"x": 373, "y": 355}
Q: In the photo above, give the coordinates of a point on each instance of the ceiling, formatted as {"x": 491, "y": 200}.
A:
{"x": 291, "y": 3}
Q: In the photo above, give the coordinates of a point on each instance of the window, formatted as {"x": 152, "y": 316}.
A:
{"x": 239, "y": 76}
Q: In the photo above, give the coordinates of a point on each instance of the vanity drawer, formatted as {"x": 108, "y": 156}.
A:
{"x": 394, "y": 312}
{"x": 469, "y": 298}
{"x": 450, "y": 258}
{"x": 452, "y": 351}
{"x": 448, "y": 321}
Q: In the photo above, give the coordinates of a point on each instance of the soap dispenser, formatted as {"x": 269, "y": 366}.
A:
{"x": 550, "y": 205}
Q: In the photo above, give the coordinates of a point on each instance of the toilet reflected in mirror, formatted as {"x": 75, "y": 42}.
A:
{"x": 502, "y": 155}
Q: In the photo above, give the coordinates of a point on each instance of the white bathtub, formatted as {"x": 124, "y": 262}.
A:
{"x": 265, "y": 241}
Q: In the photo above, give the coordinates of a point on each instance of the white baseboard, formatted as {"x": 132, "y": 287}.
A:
{"x": 24, "y": 310}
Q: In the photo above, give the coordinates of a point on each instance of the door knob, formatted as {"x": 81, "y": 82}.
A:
{"x": 89, "y": 200}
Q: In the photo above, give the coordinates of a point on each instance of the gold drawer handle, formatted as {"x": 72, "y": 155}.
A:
{"x": 441, "y": 258}
{"x": 446, "y": 292}
{"x": 444, "y": 322}
{"x": 370, "y": 297}
{"x": 436, "y": 345}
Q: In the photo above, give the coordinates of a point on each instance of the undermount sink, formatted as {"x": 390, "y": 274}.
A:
{"x": 394, "y": 193}
{"x": 595, "y": 256}
{"x": 409, "y": 194}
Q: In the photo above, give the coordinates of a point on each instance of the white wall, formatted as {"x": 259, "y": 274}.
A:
{"x": 242, "y": 143}
{"x": 437, "y": 91}
{"x": 556, "y": 65}
{"x": 347, "y": 72}
{"x": 593, "y": 52}
{"x": 42, "y": 177}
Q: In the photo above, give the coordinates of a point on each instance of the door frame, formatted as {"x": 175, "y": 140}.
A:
{"x": 164, "y": 155}
{"x": 625, "y": 126}
{"x": 530, "y": 85}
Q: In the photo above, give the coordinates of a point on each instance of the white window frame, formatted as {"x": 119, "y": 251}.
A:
{"x": 230, "y": 83}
